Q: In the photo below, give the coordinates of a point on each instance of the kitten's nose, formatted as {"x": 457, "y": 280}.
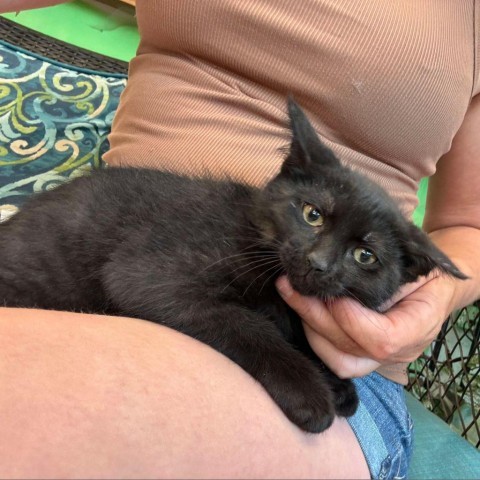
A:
{"x": 318, "y": 261}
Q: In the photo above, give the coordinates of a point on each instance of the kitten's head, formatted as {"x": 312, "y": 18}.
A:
{"x": 336, "y": 232}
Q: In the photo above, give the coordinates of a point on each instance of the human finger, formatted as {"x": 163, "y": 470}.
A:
{"x": 401, "y": 333}
{"x": 344, "y": 365}
{"x": 407, "y": 289}
{"x": 315, "y": 313}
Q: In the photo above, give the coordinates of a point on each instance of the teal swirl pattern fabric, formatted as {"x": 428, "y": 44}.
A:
{"x": 54, "y": 123}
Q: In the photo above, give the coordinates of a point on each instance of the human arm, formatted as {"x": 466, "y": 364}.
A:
{"x": 17, "y": 5}
{"x": 353, "y": 340}
{"x": 453, "y": 205}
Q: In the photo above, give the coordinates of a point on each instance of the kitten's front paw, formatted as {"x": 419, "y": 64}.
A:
{"x": 345, "y": 397}
{"x": 304, "y": 397}
{"x": 311, "y": 414}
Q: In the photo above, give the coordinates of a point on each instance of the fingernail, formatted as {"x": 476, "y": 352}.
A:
{"x": 283, "y": 287}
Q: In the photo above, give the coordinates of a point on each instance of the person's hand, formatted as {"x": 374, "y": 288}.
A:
{"x": 354, "y": 341}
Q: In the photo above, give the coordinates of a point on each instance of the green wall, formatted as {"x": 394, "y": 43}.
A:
{"x": 100, "y": 28}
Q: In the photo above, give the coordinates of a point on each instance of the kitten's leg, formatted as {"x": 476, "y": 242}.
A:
{"x": 255, "y": 344}
{"x": 137, "y": 287}
{"x": 345, "y": 396}
{"x": 344, "y": 393}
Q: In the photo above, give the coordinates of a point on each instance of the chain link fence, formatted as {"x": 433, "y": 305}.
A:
{"x": 446, "y": 378}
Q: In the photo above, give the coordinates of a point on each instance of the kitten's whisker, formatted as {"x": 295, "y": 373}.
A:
{"x": 253, "y": 241}
{"x": 350, "y": 293}
{"x": 258, "y": 254}
{"x": 258, "y": 261}
{"x": 256, "y": 241}
{"x": 240, "y": 256}
{"x": 244, "y": 273}
{"x": 259, "y": 265}
{"x": 257, "y": 277}
{"x": 278, "y": 270}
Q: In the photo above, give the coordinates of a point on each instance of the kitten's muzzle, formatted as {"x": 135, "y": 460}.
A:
{"x": 317, "y": 261}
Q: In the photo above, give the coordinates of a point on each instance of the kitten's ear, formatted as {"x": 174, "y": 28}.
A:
{"x": 305, "y": 147}
{"x": 422, "y": 256}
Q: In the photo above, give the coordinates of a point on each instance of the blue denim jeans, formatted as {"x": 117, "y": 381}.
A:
{"x": 383, "y": 427}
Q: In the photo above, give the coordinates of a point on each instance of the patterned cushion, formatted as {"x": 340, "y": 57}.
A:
{"x": 54, "y": 122}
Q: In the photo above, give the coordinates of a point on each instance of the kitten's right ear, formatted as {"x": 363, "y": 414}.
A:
{"x": 305, "y": 146}
{"x": 421, "y": 256}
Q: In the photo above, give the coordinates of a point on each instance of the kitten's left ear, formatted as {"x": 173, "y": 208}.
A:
{"x": 305, "y": 147}
{"x": 422, "y": 256}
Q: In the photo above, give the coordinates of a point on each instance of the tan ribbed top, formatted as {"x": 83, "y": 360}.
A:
{"x": 386, "y": 84}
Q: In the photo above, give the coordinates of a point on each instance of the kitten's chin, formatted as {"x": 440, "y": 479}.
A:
{"x": 308, "y": 286}
{"x": 329, "y": 291}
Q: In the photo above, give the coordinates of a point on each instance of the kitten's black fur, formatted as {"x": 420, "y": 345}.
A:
{"x": 201, "y": 256}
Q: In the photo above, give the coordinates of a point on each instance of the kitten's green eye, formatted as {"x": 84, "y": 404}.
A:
{"x": 312, "y": 215}
{"x": 364, "y": 256}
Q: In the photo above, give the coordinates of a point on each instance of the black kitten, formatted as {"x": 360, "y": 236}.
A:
{"x": 201, "y": 256}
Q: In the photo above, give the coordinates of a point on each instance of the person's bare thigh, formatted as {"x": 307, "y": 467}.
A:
{"x": 91, "y": 396}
